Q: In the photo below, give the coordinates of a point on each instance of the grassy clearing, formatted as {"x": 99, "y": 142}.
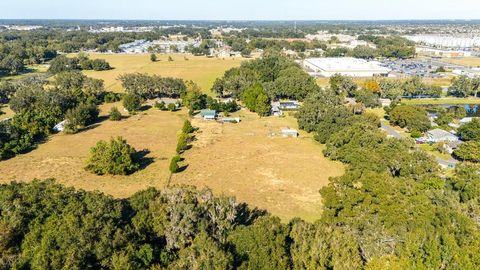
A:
{"x": 5, "y": 112}
{"x": 464, "y": 61}
{"x": 440, "y": 101}
{"x": 200, "y": 69}
{"x": 282, "y": 175}
{"x": 63, "y": 156}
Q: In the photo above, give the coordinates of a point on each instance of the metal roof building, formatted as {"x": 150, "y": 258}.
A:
{"x": 353, "y": 67}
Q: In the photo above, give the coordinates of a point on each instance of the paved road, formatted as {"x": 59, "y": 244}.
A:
{"x": 390, "y": 131}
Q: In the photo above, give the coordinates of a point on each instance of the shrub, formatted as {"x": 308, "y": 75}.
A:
{"x": 132, "y": 103}
{"x": 153, "y": 57}
{"x": 174, "y": 164}
{"x": 416, "y": 134}
{"x": 111, "y": 97}
{"x": 182, "y": 144}
{"x": 187, "y": 127}
{"x": 161, "y": 106}
{"x": 171, "y": 107}
{"x": 170, "y": 59}
{"x": 115, "y": 114}
{"x": 115, "y": 157}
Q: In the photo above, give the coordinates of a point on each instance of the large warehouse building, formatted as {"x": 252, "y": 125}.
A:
{"x": 353, "y": 67}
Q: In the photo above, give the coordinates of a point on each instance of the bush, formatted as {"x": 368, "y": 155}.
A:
{"x": 182, "y": 144}
{"x": 111, "y": 97}
{"x": 153, "y": 57}
{"x": 187, "y": 127}
{"x": 469, "y": 151}
{"x": 161, "y": 106}
{"x": 416, "y": 134}
{"x": 132, "y": 103}
{"x": 171, "y": 107}
{"x": 174, "y": 164}
{"x": 116, "y": 157}
{"x": 115, "y": 114}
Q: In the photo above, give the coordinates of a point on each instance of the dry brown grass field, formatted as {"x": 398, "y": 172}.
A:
{"x": 200, "y": 69}
{"x": 63, "y": 156}
{"x": 464, "y": 61}
{"x": 282, "y": 175}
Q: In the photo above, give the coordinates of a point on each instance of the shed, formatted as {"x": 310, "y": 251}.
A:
{"x": 208, "y": 114}
{"x": 230, "y": 119}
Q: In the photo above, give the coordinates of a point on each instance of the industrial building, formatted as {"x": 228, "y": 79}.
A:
{"x": 353, "y": 67}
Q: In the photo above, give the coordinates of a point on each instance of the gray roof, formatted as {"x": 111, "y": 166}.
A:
{"x": 440, "y": 134}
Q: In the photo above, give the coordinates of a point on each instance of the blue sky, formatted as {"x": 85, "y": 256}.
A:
{"x": 240, "y": 10}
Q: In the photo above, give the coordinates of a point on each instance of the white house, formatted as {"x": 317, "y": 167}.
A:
{"x": 440, "y": 135}
{"x": 208, "y": 114}
{"x": 353, "y": 67}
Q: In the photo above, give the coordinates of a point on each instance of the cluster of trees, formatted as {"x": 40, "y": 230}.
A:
{"x": 273, "y": 76}
{"x": 63, "y": 63}
{"x": 463, "y": 86}
{"x": 183, "y": 142}
{"x": 470, "y": 134}
{"x": 413, "y": 118}
{"x": 39, "y": 107}
{"x": 152, "y": 86}
{"x": 392, "y": 207}
{"x": 15, "y": 55}
{"x": 391, "y": 46}
{"x": 115, "y": 157}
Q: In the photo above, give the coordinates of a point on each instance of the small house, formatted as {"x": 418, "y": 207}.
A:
{"x": 289, "y": 105}
{"x": 440, "y": 135}
{"x": 208, "y": 114}
{"x": 289, "y": 133}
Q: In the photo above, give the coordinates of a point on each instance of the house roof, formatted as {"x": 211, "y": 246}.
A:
{"x": 439, "y": 133}
{"x": 208, "y": 112}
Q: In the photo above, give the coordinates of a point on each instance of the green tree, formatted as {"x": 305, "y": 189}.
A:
{"x": 115, "y": 157}
{"x": 343, "y": 85}
{"x": 413, "y": 118}
{"x": 174, "y": 164}
{"x": 114, "y": 114}
{"x": 132, "y": 103}
{"x": 153, "y": 57}
{"x": 470, "y": 131}
{"x": 468, "y": 151}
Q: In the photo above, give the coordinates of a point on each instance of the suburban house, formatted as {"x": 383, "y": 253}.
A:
{"x": 168, "y": 101}
{"x": 440, "y": 135}
{"x": 289, "y": 133}
{"x": 279, "y": 106}
{"x": 208, "y": 114}
{"x": 289, "y": 105}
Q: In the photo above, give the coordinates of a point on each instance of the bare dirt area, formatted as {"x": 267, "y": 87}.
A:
{"x": 282, "y": 175}
{"x": 63, "y": 156}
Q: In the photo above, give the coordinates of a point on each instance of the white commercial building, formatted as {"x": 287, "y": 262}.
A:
{"x": 353, "y": 67}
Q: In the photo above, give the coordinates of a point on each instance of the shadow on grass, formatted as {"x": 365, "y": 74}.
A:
{"x": 182, "y": 168}
{"x": 142, "y": 159}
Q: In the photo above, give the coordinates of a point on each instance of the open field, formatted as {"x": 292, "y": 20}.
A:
{"x": 282, "y": 175}
{"x": 6, "y": 112}
{"x": 440, "y": 101}
{"x": 200, "y": 69}
{"x": 63, "y": 156}
{"x": 464, "y": 61}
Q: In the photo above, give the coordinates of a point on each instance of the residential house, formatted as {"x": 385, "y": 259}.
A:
{"x": 440, "y": 135}
{"x": 208, "y": 114}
